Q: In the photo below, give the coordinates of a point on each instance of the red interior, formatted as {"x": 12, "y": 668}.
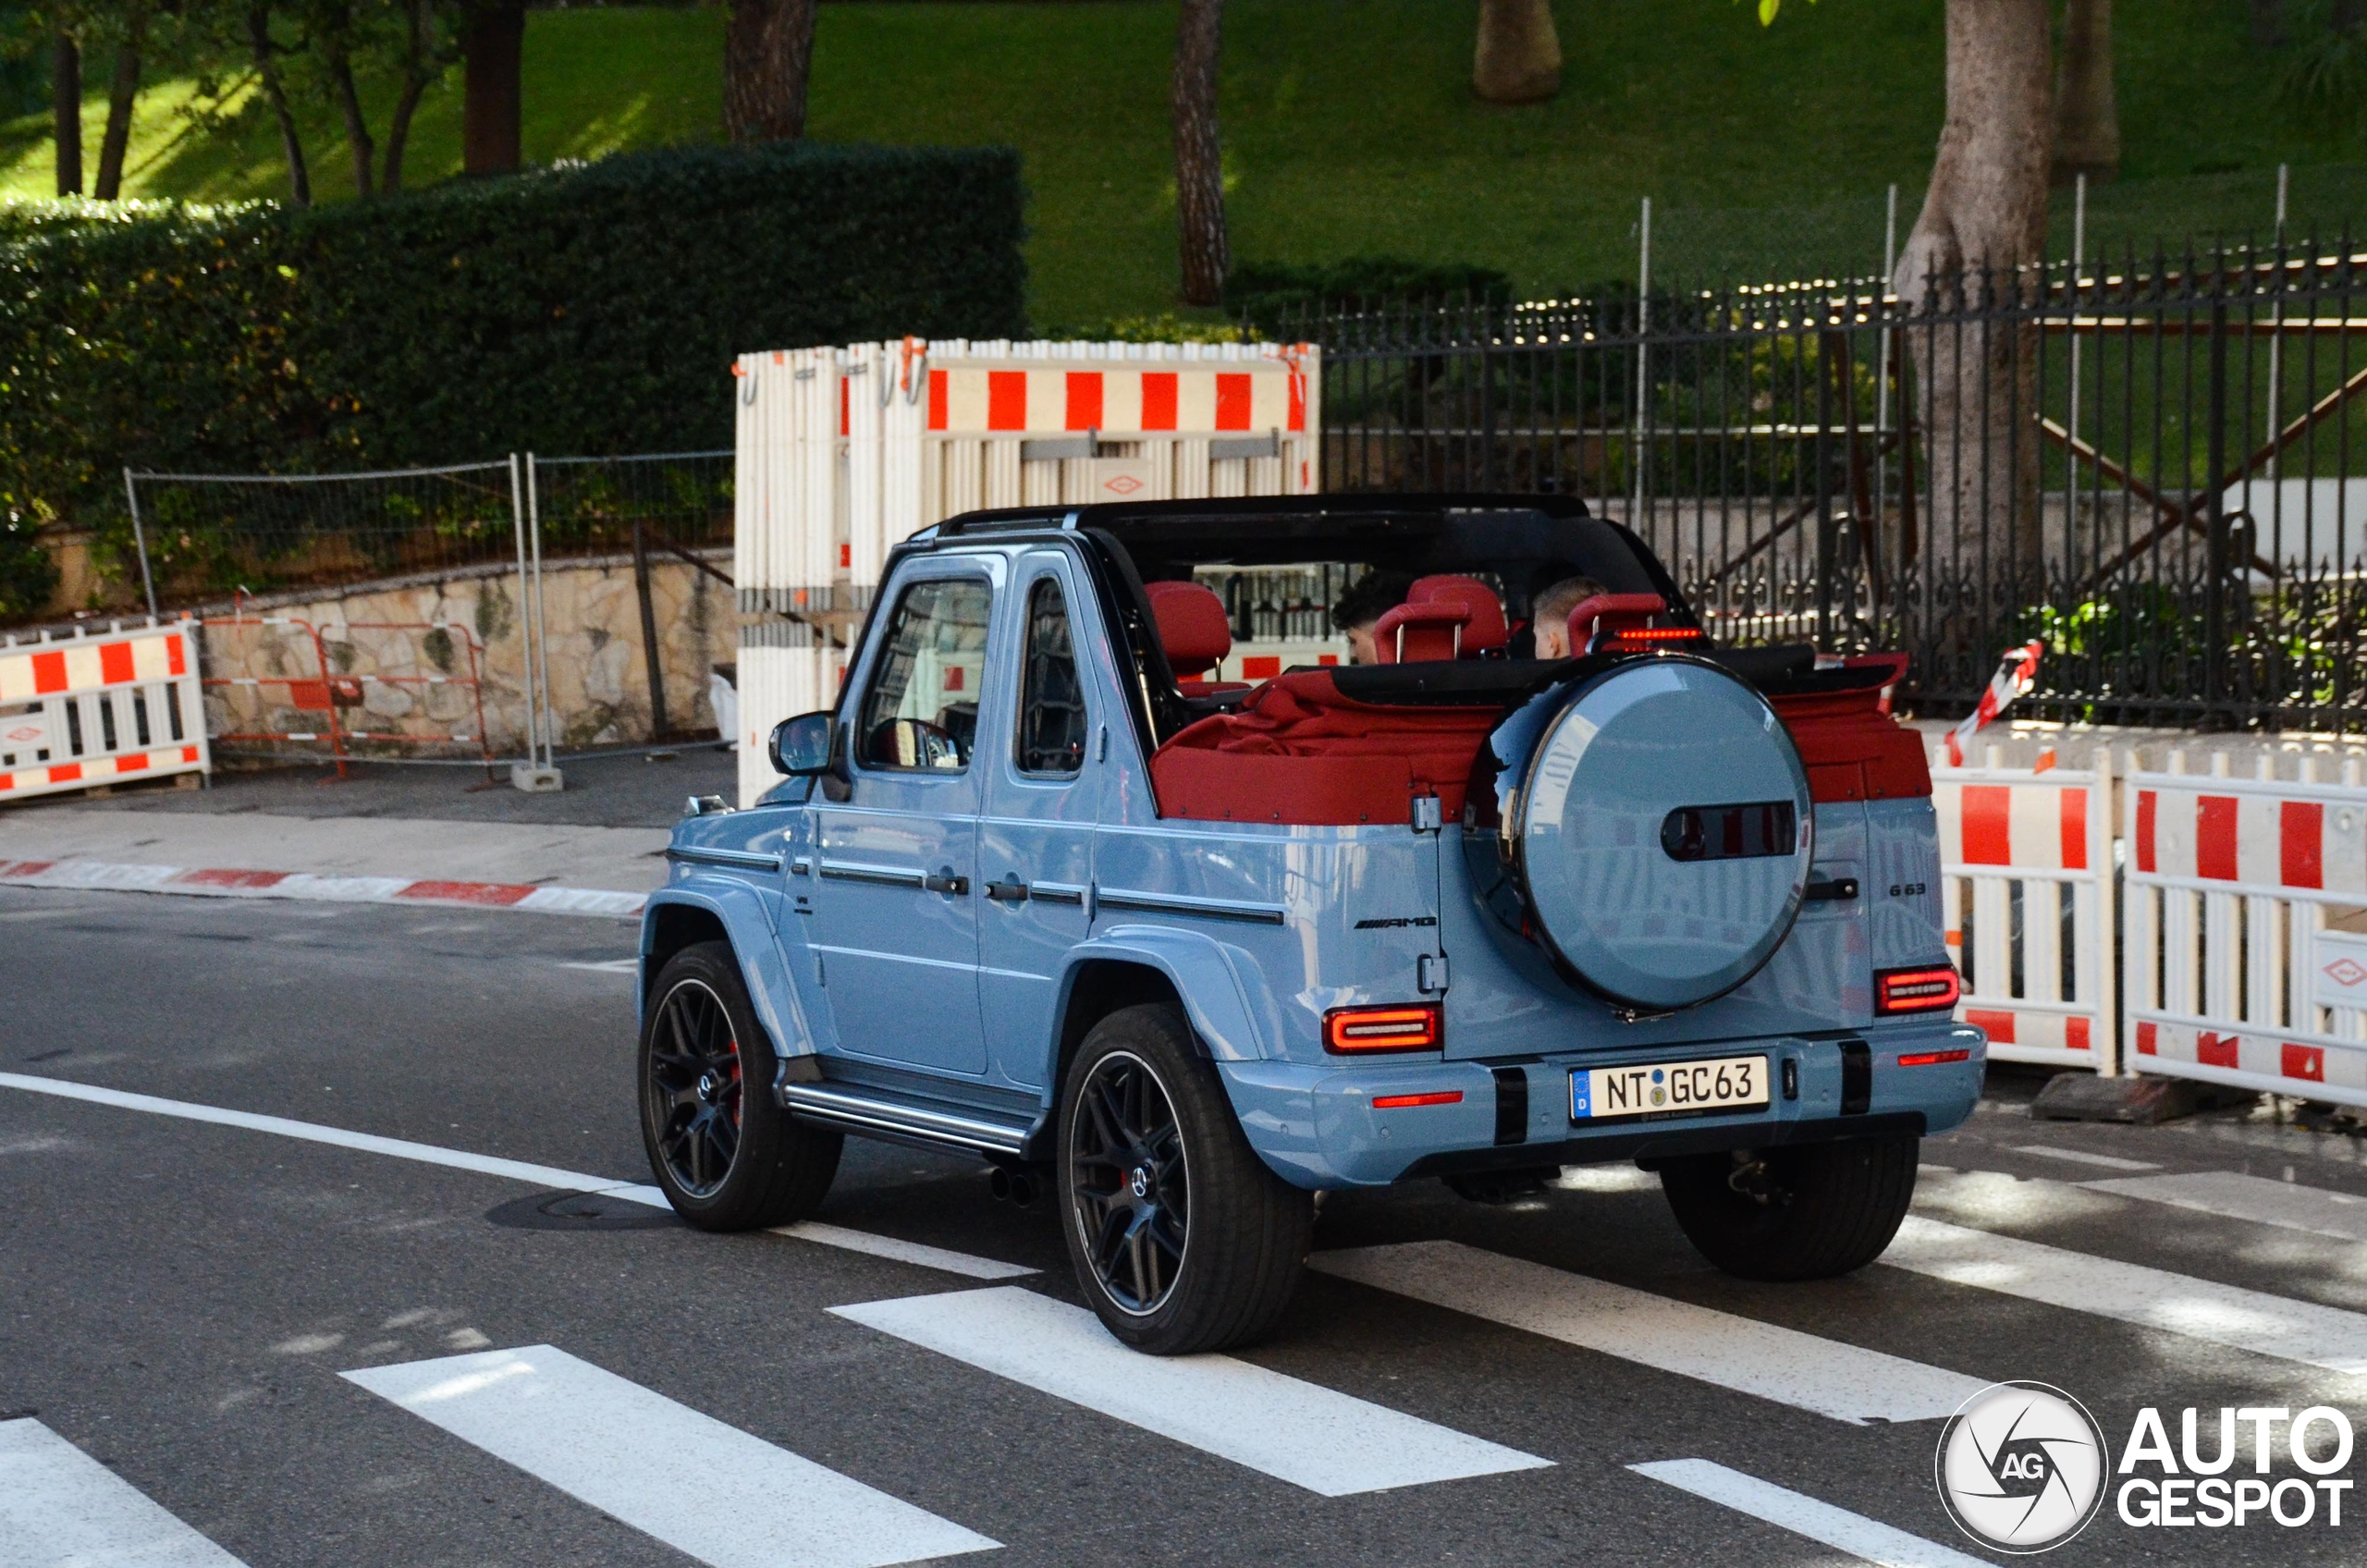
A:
{"x": 1853, "y": 750}
{"x": 1486, "y": 630}
{"x": 1192, "y": 625}
{"x": 1607, "y": 613}
{"x": 1420, "y": 633}
{"x": 1299, "y": 752}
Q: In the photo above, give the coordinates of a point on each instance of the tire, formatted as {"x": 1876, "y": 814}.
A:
{"x": 1804, "y": 1213}
{"x": 1182, "y": 1239}
{"x": 727, "y": 1158}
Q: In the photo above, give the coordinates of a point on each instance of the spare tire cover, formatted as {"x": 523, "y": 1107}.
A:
{"x": 1663, "y": 833}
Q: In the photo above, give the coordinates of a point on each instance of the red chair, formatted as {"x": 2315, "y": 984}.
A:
{"x": 1421, "y": 633}
{"x": 1193, "y": 629}
{"x": 1486, "y": 632}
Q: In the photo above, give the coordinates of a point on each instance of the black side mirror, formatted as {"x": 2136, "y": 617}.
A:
{"x": 801, "y": 746}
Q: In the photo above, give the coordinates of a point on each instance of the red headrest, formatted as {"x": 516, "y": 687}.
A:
{"x": 1420, "y": 633}
{"x": 1607, "y": 613}
{"x": 1192, "y": 625}
{"x": 1487, "y": 631}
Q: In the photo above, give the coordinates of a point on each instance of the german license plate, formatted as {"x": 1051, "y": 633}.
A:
{"x": 1667, "y": 1088}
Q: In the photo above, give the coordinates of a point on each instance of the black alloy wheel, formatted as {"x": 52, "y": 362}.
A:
{"x": 696, "y": 1082}
{"x": 1131, "y": 1195}
{"x": 1182, "y": 1239}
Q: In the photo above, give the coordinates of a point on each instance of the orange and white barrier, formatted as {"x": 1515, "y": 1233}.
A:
{"x": 99, "y": 707}
{"x": 844, "y": 452}
{"x": 2026, "y": 863}
{"x": 2238, "y": 969}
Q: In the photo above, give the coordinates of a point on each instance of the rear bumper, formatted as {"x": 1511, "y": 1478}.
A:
{"x": 1317, "y": 1123}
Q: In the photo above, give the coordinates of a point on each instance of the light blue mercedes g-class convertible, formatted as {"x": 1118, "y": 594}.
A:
{"x": 1187, "y": 952}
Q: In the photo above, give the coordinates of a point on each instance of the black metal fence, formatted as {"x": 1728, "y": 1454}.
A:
{"x": 2157, "y": 468}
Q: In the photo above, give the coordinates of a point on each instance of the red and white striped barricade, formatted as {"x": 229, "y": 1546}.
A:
{"x": 2037, "y": 966}
{"x": 97, "y": 706}
{"x": 2234, "y": 973}
{"x": 845, "y": 452}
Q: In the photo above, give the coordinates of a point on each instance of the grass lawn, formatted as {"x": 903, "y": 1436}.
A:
{"x": 1351, "y": 129}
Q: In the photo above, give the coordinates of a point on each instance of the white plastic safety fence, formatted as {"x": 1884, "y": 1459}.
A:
{"x": 2027, "y": 890}
{"x": 844, "y": 452}
{"x": 2237, "y": 971}
{"x": 786, "y": 669}
{"x": 97, "y": 706}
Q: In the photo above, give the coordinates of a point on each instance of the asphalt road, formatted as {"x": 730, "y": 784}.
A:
{"x": 180, "y": 1301}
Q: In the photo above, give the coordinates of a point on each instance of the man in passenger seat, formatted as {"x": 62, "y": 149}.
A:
{"x": 1550, "y": 615}
{"x": 1363, "y": 603}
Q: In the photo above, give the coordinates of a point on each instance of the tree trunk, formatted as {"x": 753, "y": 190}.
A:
{"x": 275, "y": 91}
{"x": 2268, "y": 23}
{"x": 418, "y": 72}
{"x": 1983, "y": 220}
{"x": 358, "y": 140}
{"x": 492, "y": 52}
{"x": 767, "y": 60}
{"x": 66, "y": 104}
{"x": 122, "y": 93}
{"x": 1519, "y": 60}
{"x": 2087, "y": 112}
{"x": 1199, "y": 153}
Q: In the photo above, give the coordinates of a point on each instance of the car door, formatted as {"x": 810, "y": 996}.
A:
{"x": 896, "y": 915}
{"x": 1036, "y": 835}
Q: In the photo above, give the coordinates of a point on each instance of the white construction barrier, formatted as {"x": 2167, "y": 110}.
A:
{"x": 843, "y": 452}
{"x": 786, "y": 669}
{"x": 2236, "y": 972}
{"x": 2026, "y": 867}
{"x": 98, "y": 707}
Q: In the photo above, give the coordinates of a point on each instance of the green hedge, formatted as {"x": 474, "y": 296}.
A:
{"x": 582, "y": 309}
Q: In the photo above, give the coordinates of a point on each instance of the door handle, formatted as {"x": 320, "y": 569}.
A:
{"x": 1008, "y": 889}
{"x": 944, "y": 881}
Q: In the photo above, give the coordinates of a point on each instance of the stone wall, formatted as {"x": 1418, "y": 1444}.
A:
{"x": 417, "y": 634}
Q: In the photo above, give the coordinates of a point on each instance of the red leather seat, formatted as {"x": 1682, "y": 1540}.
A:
{"x": 1420, "y": 633}
{"x": 1298, "y": 751}
{"x": 1486, "y": 630}
{"x": 1606, "y": 615}
{"x": 1193, "y": 628}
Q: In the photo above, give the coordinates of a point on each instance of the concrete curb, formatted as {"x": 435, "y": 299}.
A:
{"x": 219, "y": 882}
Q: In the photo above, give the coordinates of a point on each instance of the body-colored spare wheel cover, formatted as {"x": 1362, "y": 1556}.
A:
{"x": 1665, "y": 833}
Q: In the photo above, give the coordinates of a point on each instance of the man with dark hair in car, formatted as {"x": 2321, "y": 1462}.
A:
{"x": 1549, "y": 616}
{"x": 1363, "y": 602}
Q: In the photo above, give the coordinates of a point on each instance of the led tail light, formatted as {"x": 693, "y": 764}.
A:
{"x": 1352, "y": 1031}
{"x": 1915, "y": 990}
{"x": 1650, "y": 636}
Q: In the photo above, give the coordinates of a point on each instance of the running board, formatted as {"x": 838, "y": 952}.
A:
{"x": 834, "y": 1104}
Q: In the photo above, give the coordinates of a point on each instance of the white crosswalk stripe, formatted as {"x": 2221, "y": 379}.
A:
{"x": 59, "y": 1508}
{"x": 2233, "y": 1196}
{"x": 1829, "y": 1378}
{"x": 1869, "y": 1540}
{"x": 1316, "y": 1438}
{"x": 2083, "y": 1156}
{"x": 2131, "y": 1293}
{"x": 594, "y": 1435}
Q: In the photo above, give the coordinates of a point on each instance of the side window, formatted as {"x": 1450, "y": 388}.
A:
{"x": 1051, "y": 699}
{"x": 921, "y": 711}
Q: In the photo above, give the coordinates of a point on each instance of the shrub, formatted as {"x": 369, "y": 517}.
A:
{"x": 1269, "y": 295}
{"x": 28, "y": 575}
{"x": 580, "y": 308}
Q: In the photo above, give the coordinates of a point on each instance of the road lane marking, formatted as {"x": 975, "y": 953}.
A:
{"x": 2232, "y": 1195}
{"x": 59, "y": 1508}
{"x": 1868, "y": 1539}
{"x": 547, "y": 1176}
{"x": 902, "y": 1252}
{"x": 2081, "y": 1156}
{"x": 606, "y": 966}
{"x": 598, "y": 1437}
{"x": 1843, "y": 1381}
{"x": 1329, "y": 1442}
{"x": 2151, "y": 1298}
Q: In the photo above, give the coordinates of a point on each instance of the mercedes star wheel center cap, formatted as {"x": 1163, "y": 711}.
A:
{"x": 707, "y": 1087}
{"x": 1138, "y": 1182}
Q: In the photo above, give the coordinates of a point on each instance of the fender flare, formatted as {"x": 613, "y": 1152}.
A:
{"x": 763, "y": 969}
{"x": 1205, "y": 976}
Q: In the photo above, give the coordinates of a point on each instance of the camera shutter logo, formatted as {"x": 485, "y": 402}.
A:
{"x": 2021, "y": 1467}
